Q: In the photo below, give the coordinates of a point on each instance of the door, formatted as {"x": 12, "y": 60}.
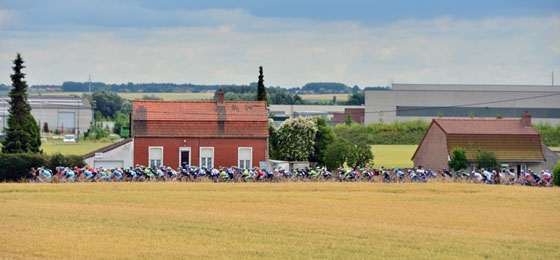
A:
{"x": 185, "y": 157}
{"x": 66, "y": 122}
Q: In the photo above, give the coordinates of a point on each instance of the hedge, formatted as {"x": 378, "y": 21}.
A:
{"x": 16, "y": 167}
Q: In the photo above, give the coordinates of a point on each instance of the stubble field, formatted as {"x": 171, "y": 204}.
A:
{"x": 303, "y": 220}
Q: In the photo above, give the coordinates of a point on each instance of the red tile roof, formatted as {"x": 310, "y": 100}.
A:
{"x": 198, "y": 110}
{"x": 484, "y": 126}
{"x": 200, "y": 118}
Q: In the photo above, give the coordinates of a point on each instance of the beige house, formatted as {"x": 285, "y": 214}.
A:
{"x": 514, "y": 142}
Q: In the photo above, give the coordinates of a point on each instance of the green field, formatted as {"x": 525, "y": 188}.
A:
{"x": 79, "y": 148}
{"x": 385, "y": 155}
{"x": 393, "y": 155}
{"x": 302, "y": 220}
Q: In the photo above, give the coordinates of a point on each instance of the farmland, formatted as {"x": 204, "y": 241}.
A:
{"x": 197, "y": 96}
{"x": 303, "y": 220}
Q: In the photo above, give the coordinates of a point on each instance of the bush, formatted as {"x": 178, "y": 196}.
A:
{"x": 15, "y": 167}
{"x": 556, "y": 174}
{"x": 58, "y": 159}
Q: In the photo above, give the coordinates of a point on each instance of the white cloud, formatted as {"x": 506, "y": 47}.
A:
{"x": 230, "y": 46}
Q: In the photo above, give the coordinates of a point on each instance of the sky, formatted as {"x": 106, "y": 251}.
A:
{"x": 357, "y": 43}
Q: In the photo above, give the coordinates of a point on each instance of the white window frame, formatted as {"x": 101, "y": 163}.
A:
{"x": 206, "y": 157}
{"x": 244, "y": 160}
{"x": 152, "y": 158}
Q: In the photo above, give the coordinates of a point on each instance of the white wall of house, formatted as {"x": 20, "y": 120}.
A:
{"x": 122, "y": 156}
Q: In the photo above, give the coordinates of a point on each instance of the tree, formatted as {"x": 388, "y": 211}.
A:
{"x": 46, "y": 127}
{"x": 348, "y": 121}
{"x": 296, "y": 139}
{"x": 324, "y": 136}
{"x": 487, "y": 160}
{"x": 356, "y": 99}
{"x": 360, "y": 156}
{"x": 107, "y": 103}
{"x": 261, "y": 91}
{"x": 23, "y": 133}
{"x": 272, "y": 139}
{"x": 556, "y": 174}
{"x": 122, "y": 117}
{"x": 337, "y": 153}
{"x": 458, "y": 159}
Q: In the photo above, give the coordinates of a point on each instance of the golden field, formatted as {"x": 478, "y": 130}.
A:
{"x": 302, "y": 220}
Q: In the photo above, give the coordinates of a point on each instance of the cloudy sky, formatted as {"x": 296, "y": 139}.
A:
{"x": 364, "y": 43}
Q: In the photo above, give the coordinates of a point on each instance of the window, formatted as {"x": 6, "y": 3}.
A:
{"x": 155, "y": 156}
{"x": 244, "y": 156}
{"x": 206, "y": 157}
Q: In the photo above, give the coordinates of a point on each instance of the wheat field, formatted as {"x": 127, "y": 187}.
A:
{"x": 303, "y": 220}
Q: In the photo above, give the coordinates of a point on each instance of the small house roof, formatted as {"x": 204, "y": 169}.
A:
{"x": 484, "y": 127}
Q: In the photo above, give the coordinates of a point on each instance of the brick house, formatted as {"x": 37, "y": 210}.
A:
{"x": 357, "y": 115}
{"x": 201, "y": 133}
{"x": 514, "y": 142}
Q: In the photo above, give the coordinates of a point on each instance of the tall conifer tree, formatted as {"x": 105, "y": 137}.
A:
{"x": 261, "y": 91}
{"x": 22, "y": 132}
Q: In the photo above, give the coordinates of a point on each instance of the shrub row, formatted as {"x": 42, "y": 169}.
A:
{"x": 15, "y": 167}
{"x": 411, "y": 132}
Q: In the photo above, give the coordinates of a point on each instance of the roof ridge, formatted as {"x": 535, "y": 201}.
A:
{"x": 479, "y": 119}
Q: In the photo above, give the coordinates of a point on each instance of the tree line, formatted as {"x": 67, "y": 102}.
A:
{"x": 274, "y": 95}
{"x": 309, "y": 88}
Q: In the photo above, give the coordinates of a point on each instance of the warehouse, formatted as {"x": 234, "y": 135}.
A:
{"x": 65, "y": 113}
{"x": 403, "y": 102}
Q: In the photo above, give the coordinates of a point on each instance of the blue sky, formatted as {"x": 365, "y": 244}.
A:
{"x": 364, "y": 43}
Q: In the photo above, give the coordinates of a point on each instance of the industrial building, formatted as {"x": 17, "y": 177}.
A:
{"x": 403, "y": 102}
{"x": 66, "y": 113}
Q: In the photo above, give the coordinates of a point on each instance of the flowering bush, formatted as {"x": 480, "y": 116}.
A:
{"x": 296, "y": 138}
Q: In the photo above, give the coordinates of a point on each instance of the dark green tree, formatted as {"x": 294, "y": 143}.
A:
{"x": 361, "y": 156}
{"x": 556, "y": 174}
{"x": 458, "y": 159}
{"x": 487, "y": 160}
{"x": 356, "y": 99}
{"x": 23, "y": 133}
{"x": 324, "y": 136}
{"x": 261, "y": 90}
{"x": 337, "y": 153}
{"x": 106, "y": 103}
{"x": 122, "y": 117}
{"x": 272, "y": 140}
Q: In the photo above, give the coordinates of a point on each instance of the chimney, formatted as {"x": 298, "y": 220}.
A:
{"x": 220, "y": 97}
{"x": 526, "y": 119}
